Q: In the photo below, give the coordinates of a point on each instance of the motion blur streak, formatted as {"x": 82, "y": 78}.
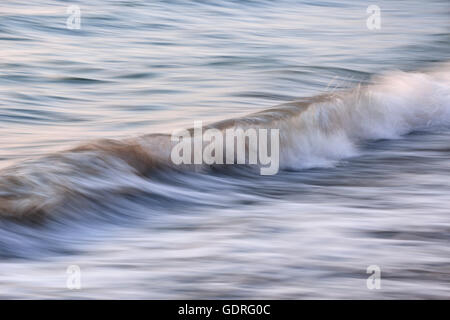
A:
{"x": 86, "y": 180}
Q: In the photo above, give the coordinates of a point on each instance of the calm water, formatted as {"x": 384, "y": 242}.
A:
{"x": 363, "y": 179}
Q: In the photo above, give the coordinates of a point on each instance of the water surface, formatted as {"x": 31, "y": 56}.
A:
{"x": 375, "y": 193}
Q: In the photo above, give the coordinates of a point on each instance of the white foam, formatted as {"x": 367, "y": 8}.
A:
{"x": 396, "y": 104}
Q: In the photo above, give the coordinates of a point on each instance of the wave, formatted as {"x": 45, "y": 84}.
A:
{"x": 314, "y": 132}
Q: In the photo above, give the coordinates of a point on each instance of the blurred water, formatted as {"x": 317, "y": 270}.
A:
{"x": 139, "y": 67}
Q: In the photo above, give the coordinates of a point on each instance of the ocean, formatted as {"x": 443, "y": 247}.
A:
{"x": 91, "y": 91}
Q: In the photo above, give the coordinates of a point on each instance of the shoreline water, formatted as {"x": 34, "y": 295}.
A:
{"x": 88, "y": 186}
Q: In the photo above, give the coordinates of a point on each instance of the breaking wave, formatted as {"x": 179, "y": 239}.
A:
{"x": 314, "y": 132}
